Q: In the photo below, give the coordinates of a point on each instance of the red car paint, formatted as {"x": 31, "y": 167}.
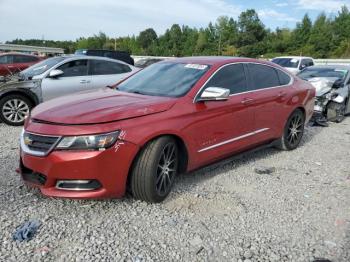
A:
{"x": 11, "y": 63}
{"x": 201, "y": 126}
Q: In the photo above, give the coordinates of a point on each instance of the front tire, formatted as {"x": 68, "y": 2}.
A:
{"x": 293, "y": 131}
{"x": 14, "y": 109}
{"x": 336, "y": 112}
{"x": 154, "y": 170}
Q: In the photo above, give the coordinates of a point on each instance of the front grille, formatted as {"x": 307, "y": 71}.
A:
{"x": 39, "y": 143}
{"x": 31, "y": 176}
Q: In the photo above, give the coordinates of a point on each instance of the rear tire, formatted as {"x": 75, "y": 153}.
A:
{"x": 14, "y": 109}
{"x": 293, "y": 131}
{"x": 154, "y": 170}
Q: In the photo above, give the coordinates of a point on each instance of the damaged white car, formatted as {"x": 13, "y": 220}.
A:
{"x": 332, "y": 83}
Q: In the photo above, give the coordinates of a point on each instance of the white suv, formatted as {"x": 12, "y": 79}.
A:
{"x": 294, "y": 64}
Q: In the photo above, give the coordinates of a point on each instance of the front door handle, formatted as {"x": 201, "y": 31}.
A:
{"x": 84, "y": 81}
{"x": 247, "y": 101}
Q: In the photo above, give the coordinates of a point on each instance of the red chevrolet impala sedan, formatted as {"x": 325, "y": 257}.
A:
{"x": 172, "y": 117}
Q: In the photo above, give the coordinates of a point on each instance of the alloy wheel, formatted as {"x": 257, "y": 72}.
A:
{"x": 166, "y": 169}
{"x": 15, "y": 110}
{"x": 295, "y": 130}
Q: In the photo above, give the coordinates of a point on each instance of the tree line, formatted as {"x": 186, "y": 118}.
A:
{"x": 326, "y": 37}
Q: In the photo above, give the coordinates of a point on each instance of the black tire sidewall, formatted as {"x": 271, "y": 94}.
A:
{"x": 10, "y": 97}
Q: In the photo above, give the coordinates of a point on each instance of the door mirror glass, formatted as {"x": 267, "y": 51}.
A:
{"x": 214, "y": 94}
{"x": 55, "y": 73}
{"x": 302, "y": 66}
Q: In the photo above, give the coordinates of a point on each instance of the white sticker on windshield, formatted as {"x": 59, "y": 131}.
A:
{"x": 196, "y": 66}
{"x": 294, "y": 60}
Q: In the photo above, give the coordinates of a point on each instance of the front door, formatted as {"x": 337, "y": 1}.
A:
{"x": 222, "y": 127}
{"x": 75, "y": 78}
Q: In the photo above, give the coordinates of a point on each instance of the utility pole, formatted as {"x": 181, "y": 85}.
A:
{"x": 115, "y": 44}
{"x": 219, "y": 50}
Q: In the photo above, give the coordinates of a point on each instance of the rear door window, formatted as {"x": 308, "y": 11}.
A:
{"x": 231, "y": 77}
{"x": 24, "y": 59}
{"x": 101, "y": 67}
{"x": 74, "y": 68}
{"x": 262, "y": 76}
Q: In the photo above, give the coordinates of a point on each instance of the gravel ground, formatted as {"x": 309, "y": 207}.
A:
{"x": 225, "y": 212}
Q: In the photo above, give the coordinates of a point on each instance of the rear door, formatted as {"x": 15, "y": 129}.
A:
{"x": 269, "y": 90}
{"x": 6, "y": 65}
{"x": 75, "y": 78}
{"x": 22, "y": 62}
{"x": 3, "y": 65}
{"x": 104, "y": 73}
{"x": 223, "y": 127}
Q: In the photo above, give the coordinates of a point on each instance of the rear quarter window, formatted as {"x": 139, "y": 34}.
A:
{"x": 284, "y": 78}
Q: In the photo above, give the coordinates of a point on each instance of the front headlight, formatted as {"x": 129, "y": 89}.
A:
{"x": 90, "y": 142}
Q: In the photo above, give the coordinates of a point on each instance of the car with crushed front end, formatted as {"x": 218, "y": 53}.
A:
{"x": 54, "y": 77}
{"x": 169, "y": 118}
{"x": 332, "y": 83}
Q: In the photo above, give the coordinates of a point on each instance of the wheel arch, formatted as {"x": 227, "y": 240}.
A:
{"x": 183, "y": 164}
{"x": 183, "y": 150}
{"x": 23, "y": 92}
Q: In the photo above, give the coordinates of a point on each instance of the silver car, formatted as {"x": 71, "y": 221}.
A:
{"x": 53, "y": 77}
{"x": 332, "y": 83}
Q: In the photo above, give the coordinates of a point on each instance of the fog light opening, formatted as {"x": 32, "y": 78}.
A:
{"x": 78, "y": 185}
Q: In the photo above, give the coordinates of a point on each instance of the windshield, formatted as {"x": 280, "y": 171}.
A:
{"x": 323, "y": 72}
{"x": 41, "y": 67}
{"x": 286, "y": 62}
{"x": 164, "y": 79}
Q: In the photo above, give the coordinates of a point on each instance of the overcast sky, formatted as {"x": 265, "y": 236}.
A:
{"x": 71, "y": 19}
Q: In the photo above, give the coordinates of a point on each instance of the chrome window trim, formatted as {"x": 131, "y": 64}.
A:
{"x": 27, "y": 150}
{"x": 233, "y": 63}
{"x": 233, "y": 139}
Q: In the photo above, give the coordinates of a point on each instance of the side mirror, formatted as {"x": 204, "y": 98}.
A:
{"x": 338, "y": 84}
{"x": 302, "y": 67}
{"x": 214, "y": 94}
{"x": 55, "y": 73}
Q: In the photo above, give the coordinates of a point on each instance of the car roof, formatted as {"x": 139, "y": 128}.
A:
{"x": 76, "y": 57}
{"x": 17, "y": 53}
{"x": 297, "y": 57}
{"x": 347, "y": 67}
{"x": 215, "y": 60}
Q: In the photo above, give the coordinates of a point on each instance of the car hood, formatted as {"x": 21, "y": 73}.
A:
{"x": 101, "y": 106}
{"x": 322, "y": 84}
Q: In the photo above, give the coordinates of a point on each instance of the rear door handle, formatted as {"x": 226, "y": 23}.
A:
{"x": 84, "y": 81}
{"x": 247, "y": 101}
